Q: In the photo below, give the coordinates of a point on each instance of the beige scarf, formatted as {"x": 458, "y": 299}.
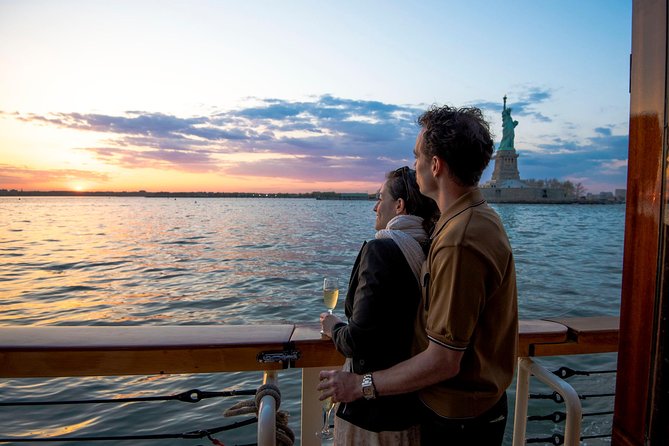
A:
{"x": 408, "y": 233}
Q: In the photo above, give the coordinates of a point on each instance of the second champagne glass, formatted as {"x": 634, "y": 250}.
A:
{"x": 326, "y": 433}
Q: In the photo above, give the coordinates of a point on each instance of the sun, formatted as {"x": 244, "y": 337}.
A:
{"x": 78, "y": 187}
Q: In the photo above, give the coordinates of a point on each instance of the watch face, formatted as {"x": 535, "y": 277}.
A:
{"x": 367, "y": 387}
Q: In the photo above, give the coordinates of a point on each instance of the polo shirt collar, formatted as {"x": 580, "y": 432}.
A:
{"x": 471, "y": 199}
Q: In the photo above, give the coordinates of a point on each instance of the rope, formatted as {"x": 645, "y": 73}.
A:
{"x": 555, "y": 417}
{"x": 566, "y": 372}
{"x": 555, "y": 439}
{"x": 558, "y": 398}
{"x": 189, "y": 396}
{"x": 284, "y": 434}
{"x": 185, "y": 435}
{"x": 558, "y": 439}
{"x": 558, "y": 417}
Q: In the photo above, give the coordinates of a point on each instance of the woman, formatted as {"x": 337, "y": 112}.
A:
{"x": 381, "y": 307}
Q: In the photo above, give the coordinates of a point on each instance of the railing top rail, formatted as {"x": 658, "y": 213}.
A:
{"x": 144, "y": 337}
{"x": 146, "y": 350}
{"x": 598, "y": 334}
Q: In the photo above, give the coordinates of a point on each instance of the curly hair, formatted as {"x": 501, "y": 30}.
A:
{"x": 459, "y": 136}
{"x": 402, "y": 184}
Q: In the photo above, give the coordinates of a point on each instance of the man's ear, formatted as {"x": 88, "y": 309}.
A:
{"x": 437, "y": 165}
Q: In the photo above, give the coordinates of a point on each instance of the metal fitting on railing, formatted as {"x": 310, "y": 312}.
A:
{"x": 287, "y": 356}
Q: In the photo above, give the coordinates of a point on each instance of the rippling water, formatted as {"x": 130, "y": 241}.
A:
{"x": 160, "y": 261}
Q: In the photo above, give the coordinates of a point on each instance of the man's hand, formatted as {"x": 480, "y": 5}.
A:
{"x": 343, "y": 387}
{"x": 328, "y": 321}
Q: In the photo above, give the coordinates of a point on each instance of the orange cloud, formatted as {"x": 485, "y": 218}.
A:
{"x": 13, "y": 177}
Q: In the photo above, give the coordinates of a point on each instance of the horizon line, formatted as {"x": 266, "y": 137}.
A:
{"x": 141, "y": 192}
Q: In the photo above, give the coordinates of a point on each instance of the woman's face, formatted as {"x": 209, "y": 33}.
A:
{"x": 386, "y": 207}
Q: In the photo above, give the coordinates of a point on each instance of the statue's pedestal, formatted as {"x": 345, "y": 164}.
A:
{"x": 506, "y": 165}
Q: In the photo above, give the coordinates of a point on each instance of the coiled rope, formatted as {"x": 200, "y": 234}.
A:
{"x": 284, "y": 434}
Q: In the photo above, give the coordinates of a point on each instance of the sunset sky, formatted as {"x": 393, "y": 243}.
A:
{"x": 299, "y": 96}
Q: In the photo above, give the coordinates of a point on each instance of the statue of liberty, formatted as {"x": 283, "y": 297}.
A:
{"x": 508, "y": 126}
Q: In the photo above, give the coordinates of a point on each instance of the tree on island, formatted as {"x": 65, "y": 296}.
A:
{"x": 571, "y": 190}
{"x": 579, "y": 190}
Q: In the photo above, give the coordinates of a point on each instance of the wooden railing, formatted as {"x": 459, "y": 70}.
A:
{"x": 148, "y": 350}
{"x": 28, "y": 352}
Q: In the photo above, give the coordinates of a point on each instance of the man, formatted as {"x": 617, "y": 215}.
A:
{"x": 466, "y": 334}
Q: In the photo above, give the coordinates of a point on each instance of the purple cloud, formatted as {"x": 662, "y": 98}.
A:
{"x": 323, "y": 138}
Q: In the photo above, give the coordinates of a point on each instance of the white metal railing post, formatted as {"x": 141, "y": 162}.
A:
{"x": 522, "y": 396}
{"x": 267, "y": 413}
{"x": 573, "y": 409}
{"x": 312, "y": 416}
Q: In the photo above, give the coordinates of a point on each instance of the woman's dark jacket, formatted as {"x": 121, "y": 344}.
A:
{"x": 381, "y": 306}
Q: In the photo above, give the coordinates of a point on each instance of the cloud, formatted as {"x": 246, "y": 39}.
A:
{"x": 323, "y": 138}
{"x": 603, "y": 131}
{"x": 311, "y": 168}
{"x": 600, "y": 159}
{"x": 181, "y": 159}
{"x": 523, "y": 103}
{"x": 613, "y": 166}
{"x": 19, "y": 176}
{"x": 155, "y": 125}
{"x": 309, "y": 131}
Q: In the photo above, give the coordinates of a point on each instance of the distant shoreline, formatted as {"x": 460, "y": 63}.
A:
{"x": 308, "y": 195}
{"x": 311, "y": 195}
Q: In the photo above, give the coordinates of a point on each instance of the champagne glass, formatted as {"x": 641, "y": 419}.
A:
{"x": 330, "y": 293}
{"x": 326, "y": 433}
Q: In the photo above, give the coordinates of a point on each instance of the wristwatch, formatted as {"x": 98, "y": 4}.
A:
{"x": 368, "y": 389}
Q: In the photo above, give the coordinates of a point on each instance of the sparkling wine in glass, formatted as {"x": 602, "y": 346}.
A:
{"x": 326, "y": 433}
{"x": 330, "y": 293}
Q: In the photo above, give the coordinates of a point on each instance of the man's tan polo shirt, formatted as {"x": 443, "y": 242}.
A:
{"x": 471, "y": 306}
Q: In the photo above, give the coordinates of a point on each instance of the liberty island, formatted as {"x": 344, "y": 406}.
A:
{"x": 506, "y": 186}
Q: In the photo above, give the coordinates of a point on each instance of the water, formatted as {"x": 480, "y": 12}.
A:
{"x": 165, "y": 261}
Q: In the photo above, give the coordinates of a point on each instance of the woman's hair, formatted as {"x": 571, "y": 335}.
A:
{"x": 402, "y": 184}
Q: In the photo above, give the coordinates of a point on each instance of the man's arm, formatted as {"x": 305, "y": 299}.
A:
{"x": 433, "y": 365}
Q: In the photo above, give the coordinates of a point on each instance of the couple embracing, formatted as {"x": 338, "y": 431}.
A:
{"x": 432, "y": 322}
